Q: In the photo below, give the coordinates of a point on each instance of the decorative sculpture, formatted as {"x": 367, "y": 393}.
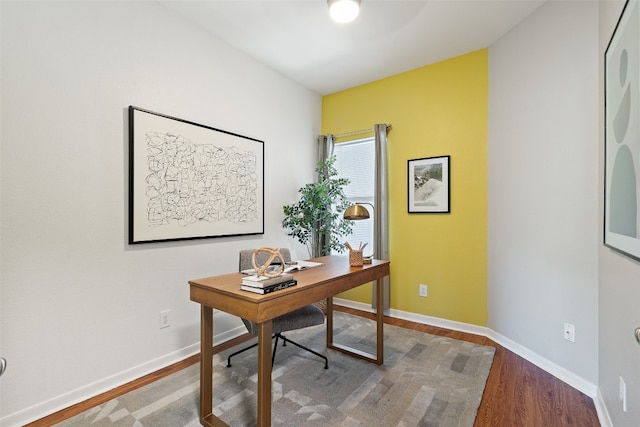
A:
{"x": 263, "y": 270}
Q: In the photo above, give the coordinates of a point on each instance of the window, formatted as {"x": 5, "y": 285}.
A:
{"x": 356, "y": 160}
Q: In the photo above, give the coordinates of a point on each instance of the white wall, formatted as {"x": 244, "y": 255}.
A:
{"x": 619, "y": 310}
{"x": 80, "y": 307}
{"x": 543, "y": 188}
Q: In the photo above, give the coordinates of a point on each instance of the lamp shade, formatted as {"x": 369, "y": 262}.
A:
{"x": 344, "y": 11}
{"x": 356, "y": 212}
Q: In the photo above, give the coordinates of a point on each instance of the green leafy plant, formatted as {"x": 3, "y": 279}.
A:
{"x": 316, "y": 219}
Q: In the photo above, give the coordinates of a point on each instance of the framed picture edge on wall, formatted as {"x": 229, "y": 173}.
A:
{"x": 429, "y": 185}
{"x": 191, "y": 181}
{"x": 621, "y": 222}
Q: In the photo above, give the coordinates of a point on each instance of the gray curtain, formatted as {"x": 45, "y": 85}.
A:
{"x": 325, "y": 146}
{"x": 325, "y": 150}
{"x": 381, "y": 207}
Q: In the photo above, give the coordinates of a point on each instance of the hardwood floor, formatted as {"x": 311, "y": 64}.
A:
{"x": 517, "y": 394}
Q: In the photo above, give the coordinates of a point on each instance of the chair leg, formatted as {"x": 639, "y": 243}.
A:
{"x": 275, "y": 347}
{"x": 238, "y": 352}
{"x": 285, "y": 340}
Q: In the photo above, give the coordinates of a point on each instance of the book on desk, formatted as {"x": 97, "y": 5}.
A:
{"x": 289, "y": 267}
{"x": 264, "y": 281}
{"x": 269, "y": 289}
{"x": 265, "y": 285}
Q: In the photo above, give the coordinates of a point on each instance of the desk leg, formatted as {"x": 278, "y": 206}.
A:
{"x": 380, "y": 321}
{"x": 330, "y": 322}
{"x": 376, "y": 358}
{"x": 206, "y": 362}
{"x": 264, "y": 373}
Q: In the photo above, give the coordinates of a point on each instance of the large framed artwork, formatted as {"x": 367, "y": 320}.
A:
{"x": 191, "y": 181}
{"x": 428, "y": 185}
{"x": 622, "y": 134}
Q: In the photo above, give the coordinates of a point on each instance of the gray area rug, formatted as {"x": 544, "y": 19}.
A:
{"x": 426, "y": 380}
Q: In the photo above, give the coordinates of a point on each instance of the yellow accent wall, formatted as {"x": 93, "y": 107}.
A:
{"x": 440, "y": 109}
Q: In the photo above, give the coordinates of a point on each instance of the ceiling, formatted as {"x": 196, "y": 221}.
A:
{"x": 298, "y": 38}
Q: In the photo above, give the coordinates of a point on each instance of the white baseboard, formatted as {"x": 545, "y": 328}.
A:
{"x": 102, "y": 386}
{"x": 418, "y": 318}
{"x": 36, "y": 412}
{"x": 601, "y": 409}
{"x": 68, "y": 399}
{"x": 557, "y": 371}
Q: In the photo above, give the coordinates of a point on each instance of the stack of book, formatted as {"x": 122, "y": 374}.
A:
{"x": 265, "y": 285}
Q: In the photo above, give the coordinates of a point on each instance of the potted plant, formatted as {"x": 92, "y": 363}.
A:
{"x": 316, "y": 219}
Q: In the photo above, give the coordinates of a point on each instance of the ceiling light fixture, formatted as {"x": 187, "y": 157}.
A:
{"x": 344, "y": 11}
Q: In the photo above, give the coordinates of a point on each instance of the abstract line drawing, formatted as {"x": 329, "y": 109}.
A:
{"x": 622, "y": 134}
{"x": 191, "y": 181}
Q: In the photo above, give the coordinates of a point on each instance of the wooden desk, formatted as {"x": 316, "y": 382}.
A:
{"x": 315, "y": 284}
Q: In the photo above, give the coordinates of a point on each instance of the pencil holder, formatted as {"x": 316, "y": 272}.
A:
{"x": 355, "y": 258}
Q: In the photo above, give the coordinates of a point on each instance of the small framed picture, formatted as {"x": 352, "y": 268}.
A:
{"x": 429, "y": 185}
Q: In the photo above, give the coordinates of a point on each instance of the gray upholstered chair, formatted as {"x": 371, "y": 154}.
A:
{"x": 304, "y": 317}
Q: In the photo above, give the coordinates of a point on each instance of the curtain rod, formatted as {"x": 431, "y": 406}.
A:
{"x": 355, "y": 132}
{"x": 358, "y": 132}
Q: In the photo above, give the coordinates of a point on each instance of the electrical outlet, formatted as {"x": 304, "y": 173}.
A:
{"x": 623, "y": 394}
{"x": 165, "y": 319}
{"x": 423, "y": 290}
{"x": 569, "y": 332}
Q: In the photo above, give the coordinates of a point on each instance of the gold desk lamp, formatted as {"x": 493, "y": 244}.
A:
{"x": 357, "y": 212}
